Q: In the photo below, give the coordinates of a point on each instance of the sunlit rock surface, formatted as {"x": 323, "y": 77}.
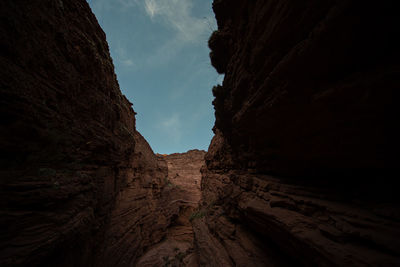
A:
{"x": 183, "y": 183}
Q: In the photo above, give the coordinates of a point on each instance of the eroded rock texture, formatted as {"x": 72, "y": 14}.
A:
{"x": 142, "y": 212}
{"x": 299, "y": 170}
{"x": 79, "y": 186}
{"x": 183, "y": 185}
{"x": 184, "y": 171}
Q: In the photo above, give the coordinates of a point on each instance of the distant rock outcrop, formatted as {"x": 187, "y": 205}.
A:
{"x": 183, "y": 183}
{"x": 300, "y": 170}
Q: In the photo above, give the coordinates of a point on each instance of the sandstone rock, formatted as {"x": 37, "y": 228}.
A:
{"x": 297, "y": 173}
{"x": 79, "y": 186}
{"x": 184, "y": 172}
{"x": 184, "y": 179}
{"x": 308, "y": 85}
{"x": 299, "y": 169}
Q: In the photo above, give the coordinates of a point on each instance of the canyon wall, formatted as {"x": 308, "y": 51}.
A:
{"x": 79, "y": 186}
{"x": 183, "y": 185}
{"x": 303, "y": 165}
{"x": 299, "y": 172}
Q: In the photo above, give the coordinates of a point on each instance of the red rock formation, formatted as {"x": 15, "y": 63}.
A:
{"x": 142, "y": 211}
{"x": 297, "y": 172}
{"x": 184, "y": 171}
{"x": 183, "y": 183}
{"x": 78, "y": 185}
{"x": 299, "y": 169}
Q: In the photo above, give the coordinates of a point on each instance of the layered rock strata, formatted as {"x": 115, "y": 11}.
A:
{"x": 298, "y": 173}
{"x": 184, "y": 171}
{"x": 300, "y": 170}
{"x": 183, "y": 183}
{"x": 79, "y": 186}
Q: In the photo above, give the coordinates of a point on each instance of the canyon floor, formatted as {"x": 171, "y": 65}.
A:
{"x": 184, "y": 177}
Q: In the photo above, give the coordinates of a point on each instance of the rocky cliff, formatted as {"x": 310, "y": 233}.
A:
{"x": 79, "y": 186}
{"x": 184, "y": 171}
{"x": 183, "y": 183}
{"x": 300, "y": 170}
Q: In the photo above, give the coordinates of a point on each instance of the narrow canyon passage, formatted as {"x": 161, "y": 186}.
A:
{"x": 301, "y": 170}
{"x": 183, "y": 183}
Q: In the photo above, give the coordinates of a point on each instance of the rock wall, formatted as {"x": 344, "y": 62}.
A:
{"x": 183, "y": 187}
{"x": 79, "y": 186}
{"x": 184, "y": 171}
{"x": 142, "y": 211}
{"x": 300, "y": 170}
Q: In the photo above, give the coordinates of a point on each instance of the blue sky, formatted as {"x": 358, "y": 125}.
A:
{"x": 159, "y": 49}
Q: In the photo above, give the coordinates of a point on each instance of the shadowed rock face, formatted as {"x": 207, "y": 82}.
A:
{"x": 309, "y": 87}
{"x": 79, "y": 186}
{"x": 299, "y": 169}
{"x": 297, "y": 173}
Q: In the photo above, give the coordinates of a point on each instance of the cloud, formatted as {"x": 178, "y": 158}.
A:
{"x": 162, "y": 55}
{"x": 187, "y": 28}
{"x": 172, "y": 127}
{"x": 178, "y": 15}
{"x": 127, "y": 62}
{"x": 128, "y": 3}
{"x": 151, "y": 8}
{"x": 174, "y": 16}
{"x": 121, "y": 55}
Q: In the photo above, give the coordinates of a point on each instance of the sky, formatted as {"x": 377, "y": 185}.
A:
{"x": 160, "y": 53}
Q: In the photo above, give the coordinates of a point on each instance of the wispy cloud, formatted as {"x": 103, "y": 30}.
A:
{"x": 171, "y": 126}
{"x": 128, "y": 3}
{"x": 151, "y": 8}
{"x": 178, "y": 15}
{"x": 121, "y": 55}
{"x": 127, "y": 62}
{"x": 162, "y": 55}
